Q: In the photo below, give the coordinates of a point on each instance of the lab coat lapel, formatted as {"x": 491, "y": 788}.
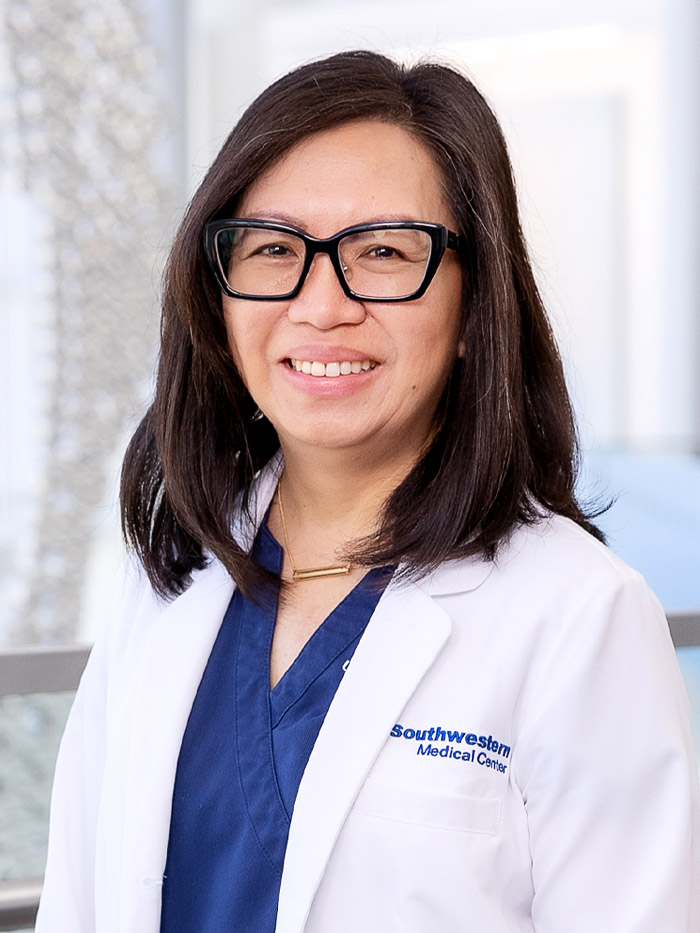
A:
{"x": 153, "y": 723}
{"x": 151, "y": 728}
{"x": 402, "y": 640}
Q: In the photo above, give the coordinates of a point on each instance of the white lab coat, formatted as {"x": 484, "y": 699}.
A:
{"x": 575, "y": 809}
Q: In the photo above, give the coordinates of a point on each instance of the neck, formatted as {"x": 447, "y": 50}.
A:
{"x": 332, "y": 498}
{"x": 341, "y": 490}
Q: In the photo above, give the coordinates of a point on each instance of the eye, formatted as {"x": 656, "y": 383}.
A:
{"x": 384, "y": 252}
{"x": 265, "y": 246}
{"x": 274, "y": 250}
{"x": 386, "y": 249}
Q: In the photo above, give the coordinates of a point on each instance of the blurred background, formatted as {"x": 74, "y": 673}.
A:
{"x": 110, "y": 113}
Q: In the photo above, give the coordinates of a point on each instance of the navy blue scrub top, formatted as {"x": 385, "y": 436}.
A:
{"x": 243, "y": 754}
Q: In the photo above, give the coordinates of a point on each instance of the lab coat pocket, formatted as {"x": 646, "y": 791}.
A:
{"x": 422, "y": 807}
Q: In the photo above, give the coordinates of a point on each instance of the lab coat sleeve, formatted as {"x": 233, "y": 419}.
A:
{"x": 68, "y": 898}
{"x": 606, "y": 769}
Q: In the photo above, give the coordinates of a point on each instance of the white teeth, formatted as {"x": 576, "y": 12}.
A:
{"x": 344, "y": 368}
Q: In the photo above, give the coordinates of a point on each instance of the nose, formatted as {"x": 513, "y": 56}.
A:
{"x": 322, "y": 301}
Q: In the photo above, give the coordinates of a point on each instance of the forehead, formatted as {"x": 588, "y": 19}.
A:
{"x": 358, "y": 172}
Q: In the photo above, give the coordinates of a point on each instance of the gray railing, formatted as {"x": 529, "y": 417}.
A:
{"x": 36, "y": 669}
{"x": 685, "y": 628}
{"x": 19, "y": 901}
{"x": 41, "y": 669}
{"x": 54, "y": 669}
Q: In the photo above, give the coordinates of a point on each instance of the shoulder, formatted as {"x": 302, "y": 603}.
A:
{"x": 553, "y": 581}
{"x": 138, "y": 617}
{"x": 561, "y": 570}
{"x": 552, "y": 556}
{"x": 561, "y": 616}
{"x": 134, "y": 604}
{"x": 560, "y": 551}
{"x": 571, "y": 604}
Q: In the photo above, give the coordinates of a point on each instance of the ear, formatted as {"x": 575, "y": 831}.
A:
{"x": 462, "y": 349}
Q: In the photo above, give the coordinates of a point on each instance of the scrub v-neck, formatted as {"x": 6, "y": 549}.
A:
{"x": 243, "y": 754}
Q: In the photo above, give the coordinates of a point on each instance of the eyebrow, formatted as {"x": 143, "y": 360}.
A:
{"x": 282, "y": 217}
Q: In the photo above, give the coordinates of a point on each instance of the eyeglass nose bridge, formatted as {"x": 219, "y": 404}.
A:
{"x": 331, "y": 247}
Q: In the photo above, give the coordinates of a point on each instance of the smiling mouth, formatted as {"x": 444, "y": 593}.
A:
{"x": 344, "y": 368}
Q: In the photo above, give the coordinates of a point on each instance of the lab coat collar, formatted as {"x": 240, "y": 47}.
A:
{"x": 457, "y": 576}
{"x": 262, "y": 491}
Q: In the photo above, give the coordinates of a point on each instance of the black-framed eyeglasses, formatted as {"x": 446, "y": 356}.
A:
{"x": 264, "y": 261}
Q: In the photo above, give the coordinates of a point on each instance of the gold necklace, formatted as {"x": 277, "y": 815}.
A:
{"x": 311, "y": 573}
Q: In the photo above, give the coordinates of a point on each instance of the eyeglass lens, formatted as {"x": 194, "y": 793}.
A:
{"x": 384, "y": 263}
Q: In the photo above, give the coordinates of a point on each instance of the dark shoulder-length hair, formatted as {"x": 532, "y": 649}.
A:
{"x": 505, "y": 449}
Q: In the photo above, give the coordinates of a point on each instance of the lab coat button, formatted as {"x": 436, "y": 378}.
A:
{"x": 152, "y": 882}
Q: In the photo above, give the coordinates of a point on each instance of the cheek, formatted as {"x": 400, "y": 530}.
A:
{"x": 437, "y": 345}
{"x": 237, "y": 345}
{"x": 233, "y": 345}
{"x": 250, "y": 333}
{"x": 429, "y": 371}
{"x": 238, "y": 330}
{"x": 229, "y": 321}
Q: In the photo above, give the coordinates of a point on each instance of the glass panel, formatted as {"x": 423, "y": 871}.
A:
{"x": 30, "y": 732}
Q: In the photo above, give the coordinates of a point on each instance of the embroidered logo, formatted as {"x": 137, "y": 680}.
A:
{"x": 437, "y": 742}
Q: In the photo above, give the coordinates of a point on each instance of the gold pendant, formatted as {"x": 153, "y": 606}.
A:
{"x": 313, "y": 573}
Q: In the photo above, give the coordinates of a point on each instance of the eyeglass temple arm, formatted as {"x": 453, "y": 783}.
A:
{"x": 454, "y": 241}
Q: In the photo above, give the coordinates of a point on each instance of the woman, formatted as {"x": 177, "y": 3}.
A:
{"x": 462, "y": 712}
